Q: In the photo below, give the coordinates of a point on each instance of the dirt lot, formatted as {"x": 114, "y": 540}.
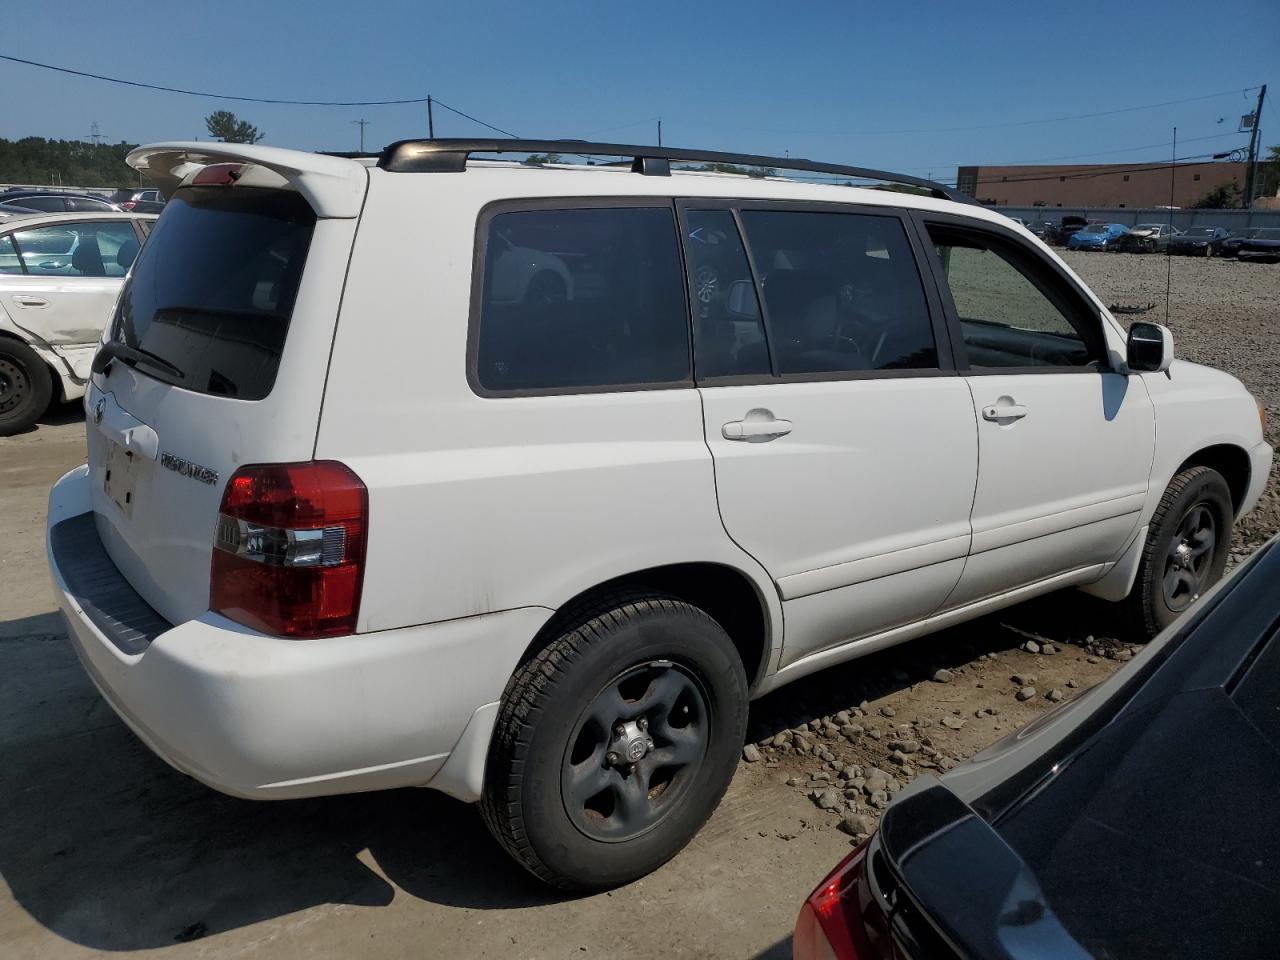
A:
{"x": 103, "y": 848}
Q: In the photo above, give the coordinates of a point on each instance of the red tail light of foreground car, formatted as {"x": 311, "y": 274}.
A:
{"x": 839, "y": 919}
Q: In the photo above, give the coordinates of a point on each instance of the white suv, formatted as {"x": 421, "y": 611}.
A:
{"x": 519, "y": 482}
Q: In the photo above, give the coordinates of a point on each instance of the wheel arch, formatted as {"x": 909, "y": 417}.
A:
{"x": 1231, "y": 461}
{"x": 729, "y": 595}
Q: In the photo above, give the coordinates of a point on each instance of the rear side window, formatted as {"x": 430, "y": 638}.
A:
{"x": 588, "y": 298}
{"x": 212, "y": 291}
{"x": 79, "y": 249}
{"x": 842, "y": 292}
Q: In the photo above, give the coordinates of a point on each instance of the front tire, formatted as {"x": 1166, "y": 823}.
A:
{"x": 1186, "y": 549}
{"x": 26, "y": 388}
{"x": 615, "y": 742}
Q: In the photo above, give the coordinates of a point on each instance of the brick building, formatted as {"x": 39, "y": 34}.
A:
{"x": 1097, "y": 185}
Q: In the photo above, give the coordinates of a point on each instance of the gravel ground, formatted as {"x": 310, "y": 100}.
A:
{"x": 848, "y": 739}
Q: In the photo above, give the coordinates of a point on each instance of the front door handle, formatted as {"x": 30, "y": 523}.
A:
{"x": 1004, "y": 409}
{"x": 756, "y": 429}
{"x": 26, "y": 301}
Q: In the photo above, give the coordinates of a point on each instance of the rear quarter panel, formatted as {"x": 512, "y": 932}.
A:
{"x": 480, "y": 504}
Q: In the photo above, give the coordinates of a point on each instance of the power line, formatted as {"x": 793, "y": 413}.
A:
{"x": 440, "y": 103}
{"x": 216, "y": 96}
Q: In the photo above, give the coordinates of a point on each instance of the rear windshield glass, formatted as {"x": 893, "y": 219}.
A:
{"x": 213, "y": 289}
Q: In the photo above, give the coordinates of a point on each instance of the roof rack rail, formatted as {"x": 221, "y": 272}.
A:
{"x": 450, "y": 156}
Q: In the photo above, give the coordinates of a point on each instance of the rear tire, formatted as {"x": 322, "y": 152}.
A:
{"x": 615, "y": 742}
{"x": 1186, "y": 550}
{"x": 26, "y": 388}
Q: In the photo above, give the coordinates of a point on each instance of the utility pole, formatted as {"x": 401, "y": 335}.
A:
{"x": 363, "y": 123}
{"x": 659, "y": 131}
{"x": 431, "y": 120}
{"x": 1251, "y": 174}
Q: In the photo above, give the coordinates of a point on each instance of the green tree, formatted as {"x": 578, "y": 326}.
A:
{"x": 538, "y": 159}
{"x": 226, "y": 126}
{"x": 1227, "y": 196}
{"x": 71, "y": 163}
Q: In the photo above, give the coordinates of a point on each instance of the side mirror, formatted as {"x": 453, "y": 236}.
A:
{"x": 1150, "y": 348}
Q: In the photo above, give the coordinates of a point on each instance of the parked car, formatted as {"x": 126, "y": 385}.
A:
{"x": 1046, "y": 230}
{"x": 50, "y": 201}
{"x": 546, "y": 565}
{"x": 59, "y": 277}
{"x": 1069, "y": 225}
{"x": 1096, "y": 236}
{"x": 1261, "y": 244}
{"x": 1145, "y": 238}
{"x": 9, "y": 212}
{"x": 1082, "y": 834}
{"x": 139, "y": 200}
{"x": 1199, "y": 242}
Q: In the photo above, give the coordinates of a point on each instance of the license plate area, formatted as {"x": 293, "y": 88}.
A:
{"x": 118, "y": 477}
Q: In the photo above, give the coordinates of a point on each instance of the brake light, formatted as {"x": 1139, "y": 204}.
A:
{"x": 831, "y": 923}
{"x": 218, "y": 174}
{"x": 289, "y": 549}
{"x": 128, "y": 205}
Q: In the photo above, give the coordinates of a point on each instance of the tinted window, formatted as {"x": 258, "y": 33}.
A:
{"x": 9, "y": 262}
{"x": 87, "y": 205}
{"x": 212, "y": 291}
{"x": 842, "y": 292}
{"x": 45, "y": 204}
{"x": 1012, "y": 312}
{"x": 582, "y": 298}
{"x": 728, "y": 333}
{"x": 79, "y": 249}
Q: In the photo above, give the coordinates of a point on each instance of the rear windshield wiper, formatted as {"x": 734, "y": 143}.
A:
{"x": 118, "y": 349}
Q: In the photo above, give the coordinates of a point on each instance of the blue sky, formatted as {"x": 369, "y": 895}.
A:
{"x": 884, "y": 85}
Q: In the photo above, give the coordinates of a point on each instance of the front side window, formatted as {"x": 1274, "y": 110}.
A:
{"x": 78, "y": 249}
{"x": 842, "y": 292}
{"x": 582, "y": 298}
{"x": 728, "y": 331}
{"x": 1011, "y": 312}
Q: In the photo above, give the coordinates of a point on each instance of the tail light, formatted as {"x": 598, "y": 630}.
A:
{"x": 832, "y": 923}
{"x": 289, "y": 549}
{"x": 128, "y": 204}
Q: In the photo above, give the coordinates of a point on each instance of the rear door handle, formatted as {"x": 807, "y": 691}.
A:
{"x": 755, "y": 430}
{"x": 1004, "y": 411}
{"x": 26, "y": 301}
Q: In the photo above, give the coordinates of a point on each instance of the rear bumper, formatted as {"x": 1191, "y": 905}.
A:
{"x": 262, "y": 717}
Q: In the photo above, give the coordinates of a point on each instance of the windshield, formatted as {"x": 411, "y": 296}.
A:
{"x": 212, "y": 291}
{"x": 1199, "y": 232}
{"x": 1095, "y": 228}
{"x": 1265, "y": 233}
{"x": 1149, "y": 226}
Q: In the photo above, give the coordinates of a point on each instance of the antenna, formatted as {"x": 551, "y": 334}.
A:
{"x": 363, "y": 123}
{"x": 1168, "y": 249}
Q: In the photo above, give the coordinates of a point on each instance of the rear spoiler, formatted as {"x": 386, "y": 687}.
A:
{"x": 333, "y": 186}
{"x": 968, "y": 883}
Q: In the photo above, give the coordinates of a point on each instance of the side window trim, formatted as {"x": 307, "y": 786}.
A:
{"x": 478, "y": 260}
{"x": 938, "y": 319}
{"x": 1080, "y": 305}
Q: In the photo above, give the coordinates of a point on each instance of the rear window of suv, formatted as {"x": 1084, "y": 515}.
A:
{"x": 212, "y": 291}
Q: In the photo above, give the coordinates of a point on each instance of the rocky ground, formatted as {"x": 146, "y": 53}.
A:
{"x": 875, "y": 725}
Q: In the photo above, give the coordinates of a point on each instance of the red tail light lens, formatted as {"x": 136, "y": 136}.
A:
{"x": 289, "y": 549}
{"x": 128, "y": 204}
{"x": 831, "y": 923}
